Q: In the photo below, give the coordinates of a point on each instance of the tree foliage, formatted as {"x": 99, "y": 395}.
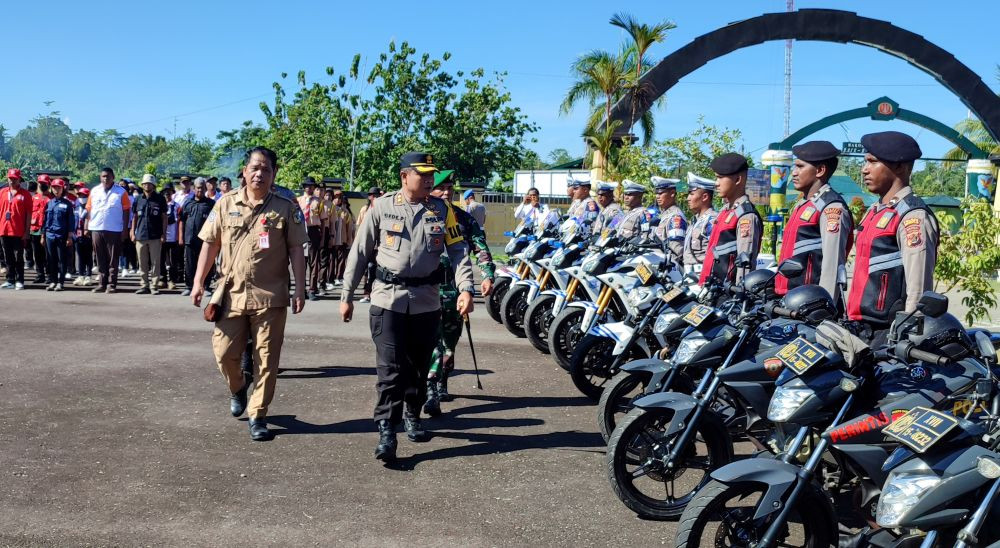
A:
{"x": 968, "y": 258}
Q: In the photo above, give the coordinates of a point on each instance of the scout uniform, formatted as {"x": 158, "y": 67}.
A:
{"x": 309, "y": 205}
{"x": 700, "y": 232}
{"x": 255, "y": 240}
{"x": 738, "y": 229}
{"x": 405, "y": 300}
{"x": 896, "y": 243}
{"x": 635, "y": 222}
{"x": 442, "y": 360}
{"x": 611, "y": 215}
{"x": 673, "y": 223}
{"x": 341, "y": 236}
{"x": 820, "y": 230}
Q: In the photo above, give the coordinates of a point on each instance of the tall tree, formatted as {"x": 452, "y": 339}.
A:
{"x": 643, "y": 37}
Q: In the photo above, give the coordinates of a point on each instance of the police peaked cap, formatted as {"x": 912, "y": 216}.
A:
{"x": 631, "y": 187}
{"x": 662, "y": 183}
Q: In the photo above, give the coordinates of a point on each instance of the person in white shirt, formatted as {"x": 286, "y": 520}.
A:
{"x": 531, "y": 208}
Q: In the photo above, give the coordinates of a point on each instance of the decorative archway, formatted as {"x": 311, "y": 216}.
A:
{"x": 826, "y": 26}
{"x": 883, "y": 108}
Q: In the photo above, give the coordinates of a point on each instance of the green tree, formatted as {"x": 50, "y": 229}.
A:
{"x": 559, "y": 156}
{"x": 939, "y": 178}
{"x": 969, "y": 258}
{"x": 643, "y": 37}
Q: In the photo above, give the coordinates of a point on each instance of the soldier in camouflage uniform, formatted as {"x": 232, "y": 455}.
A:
{"x": 443, "y": 358}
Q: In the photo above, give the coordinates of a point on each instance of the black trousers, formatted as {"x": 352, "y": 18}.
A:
{"x": 172, "y": 258}
{"x": 84, "y": 255}
{"x": 59, "y": 257}
{"x": 38, "y": 255}
{"x": 403, "y": 347}
{"x": 13, "y": 252}
{"x": 191, "y": 252}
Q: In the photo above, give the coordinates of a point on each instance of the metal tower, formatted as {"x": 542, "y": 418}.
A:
{"x": 789, "y": 6}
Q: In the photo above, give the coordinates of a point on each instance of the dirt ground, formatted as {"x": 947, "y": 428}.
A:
{"x": 115, "y": 431}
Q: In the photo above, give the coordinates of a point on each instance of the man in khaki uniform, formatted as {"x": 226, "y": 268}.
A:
{"x": 341, "y": 236}
{"x": 310, "y": 206}
{"x": 699, "y": 200}
{"x": 635, "y": 222}
{"x": 260, "y": 233}
{"x": 673, "y": 224}
{"x": 611, "y": 213}
{"x": 410, "y": 229}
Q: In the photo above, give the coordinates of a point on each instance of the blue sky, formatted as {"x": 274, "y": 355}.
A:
{"x": 134, "y": 66}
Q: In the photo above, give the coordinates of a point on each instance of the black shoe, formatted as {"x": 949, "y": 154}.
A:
{"x": 258, "y": 430}
{"x": 443, "y": 394}
{"x": 385, "y": 451}
{"x": 39, "y": 280}
{"x": 433, "y": 405}
{"x": 313, "y": 297}
{"x": 142, "y": 291}
{"x": 414, "y": 429}
{"x": 238, "y": 401}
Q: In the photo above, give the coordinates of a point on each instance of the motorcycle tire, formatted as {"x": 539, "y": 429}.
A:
{"x": 512, "y": 309}
{"x": 635, "y": 443}
{"x": 564, "y": 333}
{"x": 590, "y": 364}
{"x": 495, "y": 297}
{"x": 810, "y": 526}
{"x": 537, "y": 320}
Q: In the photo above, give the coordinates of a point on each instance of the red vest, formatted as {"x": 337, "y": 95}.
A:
{"x": 878, "y": 290}
{"x": 720, "y": 257}
{"x": 802, "y": 240}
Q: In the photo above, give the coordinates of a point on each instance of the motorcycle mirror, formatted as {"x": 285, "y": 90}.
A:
{"x": 509, "y": 234}
{"x": 932, "y": 304}
{"x": 985, "y": 345}
{"x": 792, "y": 268}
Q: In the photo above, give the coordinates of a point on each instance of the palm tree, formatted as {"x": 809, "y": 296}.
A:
{"x": 604, "y": 77}
{"x": 643, "y": 37}
{"x": 602, "y": 141}
{"x": 975, "y": 131}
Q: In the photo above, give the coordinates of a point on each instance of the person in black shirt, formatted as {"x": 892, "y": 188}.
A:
{"x": 149, "y": 230}
{"x": 194, "y": 214}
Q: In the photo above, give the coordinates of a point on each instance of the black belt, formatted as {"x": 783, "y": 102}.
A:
{"x": 385, "y": 275}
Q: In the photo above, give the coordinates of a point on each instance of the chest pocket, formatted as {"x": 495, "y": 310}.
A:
{"x": 391, "y": 237}
{"x": 434, "y": 236}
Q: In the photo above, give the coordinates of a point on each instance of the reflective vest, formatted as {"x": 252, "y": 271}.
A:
{"x": 878, "y": 290}
{"x": 803, "y": 241}
{"x": 720, "y": 258}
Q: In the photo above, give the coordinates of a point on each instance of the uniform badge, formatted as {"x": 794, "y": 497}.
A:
{"x": 913, "y": 232}
{"x": 832, "y": 220}
{"x": 679, "y": 222}
{"x": 435, "y": 229}
{"x": 807, "y": 214}
{"x": 591, "y": 206}
{"x": 297, "y": 217}
{"x": 390, "y": 240}
{"x": 883, "y": 221}
{"x": 437, "y": 241}
{"x": 396, "y": 227}
{"x": 399, "y": 199}
{"x": 745, "y": 228}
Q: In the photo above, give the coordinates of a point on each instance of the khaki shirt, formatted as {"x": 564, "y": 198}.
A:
{"x": 672, "y": 230}
{"x": 696, "y": 240}
{"x": 631, "y": 224}
{"x": 409, "y": 240}
{"x": 917, "y": 237}
{"x": 310, "y": 206}
{"x": 257, "y": 264}
{"x": 836, "y": 225}
{"x": 606, "y": 216}
{"x": 341, "y": 227}
{"x": 748, "y": 235}
{"x": 478, "y": 212}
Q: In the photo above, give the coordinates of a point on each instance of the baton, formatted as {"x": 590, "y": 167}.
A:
{"x": 472, "y": 347}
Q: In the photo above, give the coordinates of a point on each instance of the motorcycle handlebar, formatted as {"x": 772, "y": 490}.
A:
{"x": 907, "y": 350}
{"x": 785, "y": 312}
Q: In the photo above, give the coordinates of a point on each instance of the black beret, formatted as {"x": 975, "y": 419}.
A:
{"x": 892, "y": 146}
{"x": 815, "y": 151}
{"x": 729, "y": 163}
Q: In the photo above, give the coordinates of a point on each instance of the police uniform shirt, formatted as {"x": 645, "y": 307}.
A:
{"x": 409, "y": 240}
{"x": 672, "y": 230}
{"x": 606, "y": 216}
{"x": 696, "y": 239}
{"x": 835, "y": 232}
{"x": 255, "y": 261}
{"x": 748, "y": 234}
{"x": 917, "y": 237}
{"x": 631, "y": 224}
{"x": 586, "y": 210}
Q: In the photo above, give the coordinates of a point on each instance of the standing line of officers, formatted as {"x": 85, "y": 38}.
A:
{"x": 895, "y": 243}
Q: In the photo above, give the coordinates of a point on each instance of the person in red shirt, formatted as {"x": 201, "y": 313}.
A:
{"x": 39, "y": 201}
{"x": 15, "y": 222}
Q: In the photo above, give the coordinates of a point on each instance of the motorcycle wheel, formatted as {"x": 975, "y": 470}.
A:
{"x": 495, "y": 297}
{"x": 564, "y": 333}
{"x": 722, "y": 515}
{"x": 537, "y": 320}
{"x": 640, "y": 478}
{"x": 512, "y": 309}
{"x": 616, "y": 399}
{"x": 590, "y": 364}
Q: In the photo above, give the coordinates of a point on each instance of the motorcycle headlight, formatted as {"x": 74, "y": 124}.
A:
{"x": 590, "y": 264}
{"x": 509, "y": 248}
{"x": 687, "y": 349}
{"x": 901, "y": 492}
{"x": 785, "y": 401}
{"x": 663, "y": 321}
{"x": 637, "y": 296}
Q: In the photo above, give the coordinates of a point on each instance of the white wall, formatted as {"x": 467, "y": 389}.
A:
{"x": 548, "y": 182}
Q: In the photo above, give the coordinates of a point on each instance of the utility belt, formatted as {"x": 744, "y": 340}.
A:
{"x": 386, "y": 276}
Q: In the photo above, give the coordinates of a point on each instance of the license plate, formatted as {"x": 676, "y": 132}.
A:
{"x": 920, "y": 428}
{"x": 644, "y": 273}
{"x": 697, "y": 315}
{"x": 672, "y": 294}
{"x": 799, "y": 355}
{"x": 605, "y": 233}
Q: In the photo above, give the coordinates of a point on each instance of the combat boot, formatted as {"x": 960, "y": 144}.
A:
{"x": 443, "y": 394}
{"x": 386, "y": 449}
{"x": 433, "y": 405}
{"x": 414, "y": 428}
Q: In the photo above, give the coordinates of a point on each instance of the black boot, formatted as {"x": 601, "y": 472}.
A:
{"x": 433, "y": 406}
{"x": 258, "y": 430}
{"x": 386, "y": 449}
{"x": 414, "y": 429}
{"x": 443, "y": 394}
{"x": 238, "y": 401}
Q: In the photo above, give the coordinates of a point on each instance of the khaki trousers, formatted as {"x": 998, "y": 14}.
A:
{"x": 149, "y": 261}
{"x": 267, "y": 327}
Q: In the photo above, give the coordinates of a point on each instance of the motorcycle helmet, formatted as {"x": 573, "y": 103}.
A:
{"x": 759, "y": 282}
{"x": 944, "y": 335}
{"x": 811, "y": 302}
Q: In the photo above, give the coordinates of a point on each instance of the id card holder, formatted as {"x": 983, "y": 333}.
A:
{"x": 264, "y": 241}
